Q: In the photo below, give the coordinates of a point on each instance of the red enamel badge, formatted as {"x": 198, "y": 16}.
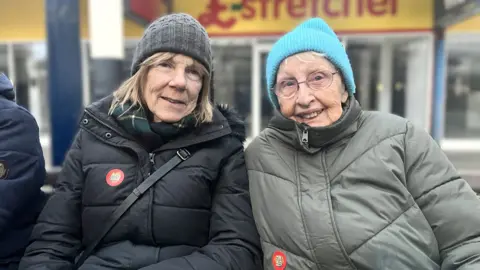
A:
{"x": 279, "y": 260}
{"x": 115, "y": 177}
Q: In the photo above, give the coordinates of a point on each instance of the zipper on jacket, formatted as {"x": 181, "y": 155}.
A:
{"x": 305, "y": 137}
{"x": 330, "y": 209}
{"x": 152, "y": 158}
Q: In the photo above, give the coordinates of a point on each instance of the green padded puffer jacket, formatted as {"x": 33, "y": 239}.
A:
{"x": 370, "y": 192}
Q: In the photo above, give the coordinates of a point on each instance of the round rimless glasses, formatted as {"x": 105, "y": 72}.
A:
{"x": 318, "y": 80}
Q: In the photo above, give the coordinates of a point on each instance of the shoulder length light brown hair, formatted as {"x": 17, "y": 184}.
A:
{"x": 131, "y": 90}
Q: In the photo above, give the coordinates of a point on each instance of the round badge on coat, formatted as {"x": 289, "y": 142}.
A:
{"x": 115, "y": 177}
{"x": 3, "y": 170}
{"x": 279, "y": 260}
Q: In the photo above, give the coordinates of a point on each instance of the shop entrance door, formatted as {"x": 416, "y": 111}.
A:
{"x": 378, "y": 75}
{"x": 262, "y": 110}
{"x": 392, "y": 75}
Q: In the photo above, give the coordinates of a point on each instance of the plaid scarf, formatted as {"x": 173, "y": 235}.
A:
{"x": 135, "y": 121}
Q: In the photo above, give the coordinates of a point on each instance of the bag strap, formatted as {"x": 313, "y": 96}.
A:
{"x": 181, "y": 156}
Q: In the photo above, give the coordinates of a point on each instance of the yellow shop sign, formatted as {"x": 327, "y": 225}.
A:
{"x": 273, "y": 17}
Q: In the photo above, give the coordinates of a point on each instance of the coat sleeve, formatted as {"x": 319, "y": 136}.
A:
{"x": 56, "y": 238}
{"x": 447, "y": 201}
{"x": 23, "y": 167}
{"x": 234, "y": 241}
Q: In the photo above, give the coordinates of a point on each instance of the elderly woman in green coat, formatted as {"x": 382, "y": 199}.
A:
{"x": 336, "y": 187}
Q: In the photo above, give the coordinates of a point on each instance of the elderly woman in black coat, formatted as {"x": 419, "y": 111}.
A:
{"x": 157, "y": 156}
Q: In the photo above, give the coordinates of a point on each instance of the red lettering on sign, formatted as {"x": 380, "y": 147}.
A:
{"x": 146, "y": 9}
{"x": 212, "y": 15}
{"x": 248, "y": 11}
{"x": 296, "y": 9}
{"x": 381, "y": 7}
{"x": 329, "y": 10}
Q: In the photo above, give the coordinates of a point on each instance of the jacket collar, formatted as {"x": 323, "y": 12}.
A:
{"x": 226, "y": 121}
{"x": 312, "y": 139}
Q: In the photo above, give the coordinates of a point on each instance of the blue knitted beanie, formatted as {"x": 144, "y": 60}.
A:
{"x": 312, "y": 35}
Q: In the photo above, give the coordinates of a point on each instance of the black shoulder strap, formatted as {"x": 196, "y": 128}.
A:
{"x": 181, "y": 155}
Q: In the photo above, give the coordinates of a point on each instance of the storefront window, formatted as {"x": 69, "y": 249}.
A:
{"x": 129, "y": 49}
{"x": 22, "y": 56}
{"x": 127, "y": 61}
{"x": 392, "y": 75}
{"x": 463, "y": 89}
{"x": 3, "y": 59}
{"x": 31, "y": 81}
{"x": 364, "y": 59}
{"x": 267, "y": 108}
{"x": 399, "y": 77}
{"x": 233, "y": 80}
{"x": 418, "y": 56}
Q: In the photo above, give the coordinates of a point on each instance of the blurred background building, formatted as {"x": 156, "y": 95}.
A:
{"x": 401, "y": 63}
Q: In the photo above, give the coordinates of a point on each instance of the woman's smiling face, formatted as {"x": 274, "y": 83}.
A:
{"x": 310, "y": 90}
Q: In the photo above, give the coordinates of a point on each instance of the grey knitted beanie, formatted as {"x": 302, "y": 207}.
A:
{"x": 176, "y": 33}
